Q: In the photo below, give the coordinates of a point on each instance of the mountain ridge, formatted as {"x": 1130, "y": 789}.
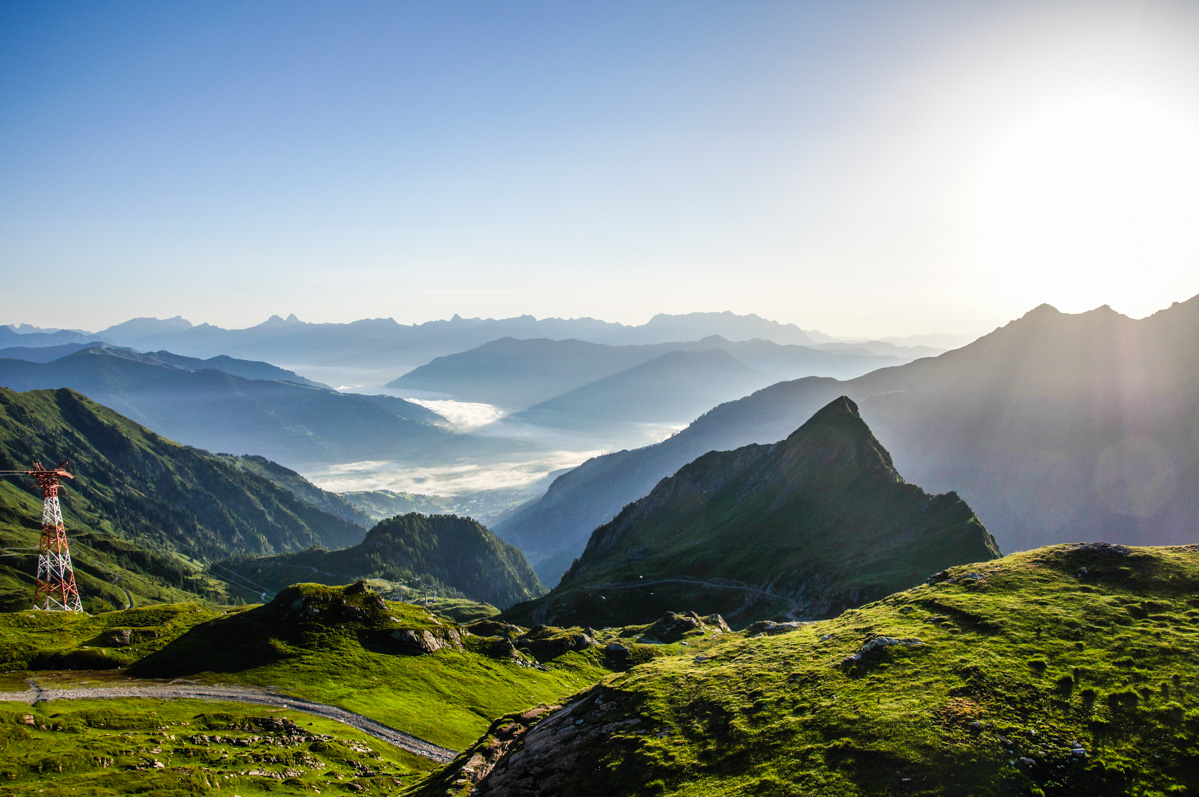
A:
{"x": 1044, "y": 409}
{"x": 812, "y": 524}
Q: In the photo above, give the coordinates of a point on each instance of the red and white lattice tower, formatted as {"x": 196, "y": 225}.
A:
{"x": 55, "y": 590}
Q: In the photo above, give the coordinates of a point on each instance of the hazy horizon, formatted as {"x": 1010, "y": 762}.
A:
{"x": 867, "y": 169}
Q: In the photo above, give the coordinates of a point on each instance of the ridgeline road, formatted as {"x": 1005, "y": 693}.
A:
{"x": 236, "y": 694}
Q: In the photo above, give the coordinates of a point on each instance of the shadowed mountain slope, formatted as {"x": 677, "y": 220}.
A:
{"x": 520, "y": 373}
{"x": 671, "y": 388}
{"x": 1050, "y": 425}
{"x": 799, "y": 529}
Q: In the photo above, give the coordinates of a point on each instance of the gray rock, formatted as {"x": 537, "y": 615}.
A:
{"x": 117, "y": 638}
{"x": 888, "y": 641}
{"x": 770, "y": 628}
{"x": 421, "y": 642}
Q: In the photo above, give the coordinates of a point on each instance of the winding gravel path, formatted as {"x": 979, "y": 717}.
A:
{"x": 237, "y": 694}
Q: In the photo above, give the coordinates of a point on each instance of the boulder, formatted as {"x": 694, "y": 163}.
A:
{"x": 421, "y": 642}
{"x": 545, "y": 643}
{"x": 770, "y": 628}
{"x": 673, "y": 626}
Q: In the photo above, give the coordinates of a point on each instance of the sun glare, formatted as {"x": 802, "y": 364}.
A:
{"x": 1095, "y": 202}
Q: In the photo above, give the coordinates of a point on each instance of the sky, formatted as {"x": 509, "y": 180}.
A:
{"x": 868, "y": 169}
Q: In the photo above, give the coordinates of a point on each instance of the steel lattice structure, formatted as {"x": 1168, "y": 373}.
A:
{"x": 55, "y": 590}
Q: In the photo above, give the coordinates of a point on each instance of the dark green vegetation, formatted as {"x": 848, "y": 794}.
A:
{"x": 800, "y": 529}
{"x": 144, "y": 514}
{"x": 448, "y": 553}
{"x": 288, "y": 422}
{"x": 1062, "y": 671}
{"x": 393, "y": 662}
{"x": 180, "y": 748}
{"x": 1053, "y": 428}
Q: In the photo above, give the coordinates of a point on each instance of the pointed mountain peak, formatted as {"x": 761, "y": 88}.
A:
{"x": 1043, "y": 311}
{"x": 842, "y": 405}
{"x": 839, "y": 420}
{"x": 837, "y": 412}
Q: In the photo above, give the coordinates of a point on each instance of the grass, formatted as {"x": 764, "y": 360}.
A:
{"x": 1044, "y": 650}
{"x": 335, "y": 645}
{"x": 189, "y": 747}
{"x": 36, "y": 640}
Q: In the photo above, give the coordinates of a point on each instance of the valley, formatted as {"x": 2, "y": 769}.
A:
{"x": 716, "y": 612}
{"x": 624, "y": 399}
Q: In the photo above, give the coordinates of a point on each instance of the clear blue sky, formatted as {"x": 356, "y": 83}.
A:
{"x": 863, "y": 168}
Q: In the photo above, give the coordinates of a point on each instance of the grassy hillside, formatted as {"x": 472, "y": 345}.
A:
{"x": 189, "y": 748}
{"x": 393, "y": 662}
{"x": 33, "y": 640}
{"x": 452, "y": 554}
{"x": 1060, "y": 671}
{"x": 798, "y": 530}
{"x": 142, "y": 509}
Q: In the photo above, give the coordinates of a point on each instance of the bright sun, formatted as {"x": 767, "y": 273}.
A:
{"x": 1095, "y": 202}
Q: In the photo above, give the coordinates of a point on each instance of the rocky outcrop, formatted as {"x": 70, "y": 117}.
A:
{"x": 546, "y": 643}
{"x": 674, "y": 626}
{"x": 423, "y": 641}
{"x": 535, "y": 753}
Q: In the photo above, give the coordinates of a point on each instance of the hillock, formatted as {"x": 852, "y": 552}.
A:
{"x": 442, "y": 553}
{"x": 394, "y": 662}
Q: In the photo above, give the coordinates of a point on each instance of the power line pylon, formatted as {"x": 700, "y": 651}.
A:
{"x": 55, "y": 590}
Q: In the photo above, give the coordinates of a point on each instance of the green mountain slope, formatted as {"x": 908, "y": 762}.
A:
{"x": 800, "y": 529}
{"x": 453, "y": 554}
{"x": 1060, "y": 671}
{"x": 147, "y": 504}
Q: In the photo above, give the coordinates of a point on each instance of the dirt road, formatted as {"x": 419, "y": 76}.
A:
{"x": 239, "y": 694}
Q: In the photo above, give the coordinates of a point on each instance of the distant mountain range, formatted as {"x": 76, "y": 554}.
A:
{"x": 517, "y": 374}
{"x": 804, "y": 528}
{"x": 449, "y": 551}
{"x": 674, "y": 387}
{"x": 246, "y": 369}
{"x": 1053, "y": 428}
{"x": 377, "y": 346}
{"x": 285, "y": 421}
